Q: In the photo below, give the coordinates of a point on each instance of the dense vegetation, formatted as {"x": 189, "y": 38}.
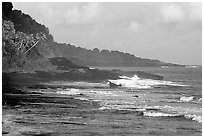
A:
{"x": 98, "y": 57}
{"x": 24, "y": 47}
{"x": 23, "y": 22}
{"x": 16, "y": 46}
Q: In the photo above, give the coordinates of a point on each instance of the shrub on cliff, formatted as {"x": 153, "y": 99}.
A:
{"x": 23, "y": 22}
{"x": 16, "y": 47}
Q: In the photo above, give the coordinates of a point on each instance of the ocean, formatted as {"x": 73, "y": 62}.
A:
{"x": 172, "y": 106}
{"x": 137, "y": 107}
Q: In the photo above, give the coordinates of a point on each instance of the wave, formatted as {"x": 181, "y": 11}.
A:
{"x": 118, "y": 99}
{"x": 200, "y": 100}
{"x": 194, "y": 118}
{"x": 186, "y": 99}
{"x": 156, "y": 113}
{"x": 171, "y": 111}
{"x": 70, "y": 91}
{"x": 138, "y": 83}
{"x": 82, "y": 98}
{"x": 164, "y": 66}
{"x": 163, "y": 111}
{"x": 159, "y": 114}
{"x": 191, "y": 66}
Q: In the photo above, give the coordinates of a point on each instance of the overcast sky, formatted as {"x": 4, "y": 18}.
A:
{"x": 170, "y": 32}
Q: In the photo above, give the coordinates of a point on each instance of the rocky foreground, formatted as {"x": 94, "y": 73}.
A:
{"x": 34, "y": 113}
{"x": 30, "y": 108}
{"x": 47, "y": 113}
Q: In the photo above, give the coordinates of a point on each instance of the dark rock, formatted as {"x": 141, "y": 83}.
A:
{"x": 36, "y": 133}
{"x": 63, "y": 63}
{"x": 145, "y": 75}
{"x": 5, "y": 132}
{"x": 153, "y": 109}
{"x": 6, "y": 9}
{"x": 113, "y": 84}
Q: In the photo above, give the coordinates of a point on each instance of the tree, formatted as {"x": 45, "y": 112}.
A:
{"x": 16, "y": 46}
{"x": 6, "y": 9}
{"x": 23, "y": 22}
{"x": 96, "y": 50}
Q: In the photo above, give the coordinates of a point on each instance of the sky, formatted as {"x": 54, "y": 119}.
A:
{"x": 170, "y": 32}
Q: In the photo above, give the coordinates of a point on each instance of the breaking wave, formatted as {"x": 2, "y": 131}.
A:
{"x": 200, "y": 100}
{"x": 193, "y": 117}
{"x": 186, "y": 99}
{"x": 70, "y": 91}
{"x": 136, "y": 82}
{"x": 120, "y": 100}
{"x": 160, "y": 114}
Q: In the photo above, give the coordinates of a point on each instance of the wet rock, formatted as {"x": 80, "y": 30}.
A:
{"x": 153, "y": 109}
{"x": 25, "y": 120}
{"x": 37, "y": 133}
{"x": 113, "y": 84}
{"x": 4, "y": 132}
{"x": 145, "y": 75}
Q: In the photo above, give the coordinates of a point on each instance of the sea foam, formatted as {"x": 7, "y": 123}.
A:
{"x": 71, "y": 91}
{"x": 200, "y": 100}
{"x": 159, "y": 114}
{"x": 138, "y": 83}
{"x": 194, "y": 118}
{"x": 186, "y": 99}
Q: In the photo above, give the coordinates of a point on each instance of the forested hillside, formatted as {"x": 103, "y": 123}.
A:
{"x": 98, "y": 57}
{"x": 26, "y": 44}
{"x": 23, "y": 22}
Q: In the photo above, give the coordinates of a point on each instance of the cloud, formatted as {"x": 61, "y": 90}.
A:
{"x": 133, "y": 26}
{"x": 195, "y": 11}
{"x": 60, "y": 13}
{"x": 178, "y": 12}
{"x": 172, "y": 13}
{"x": 82, "y": 15}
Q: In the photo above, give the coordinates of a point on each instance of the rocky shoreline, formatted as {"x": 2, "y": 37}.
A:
{"x": 46, "y": 113}
{"x": 28, "y": 111}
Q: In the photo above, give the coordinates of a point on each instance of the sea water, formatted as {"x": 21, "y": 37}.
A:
{"x": 172, "y": 106}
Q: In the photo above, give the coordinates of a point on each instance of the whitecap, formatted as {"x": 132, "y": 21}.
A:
{"x": 200, "y": 100}
{"x": 138, "y": 83}
{"x": 164, "y": 66}
{"x": 82, "y": 98}
{"x": 191, "y": 66}
{"x": 159, "y": 114}
{"x": 124, "y": 77}
{"x": 194, "y": 117}
{"x": 186, "y": 99}
{"x": 71, "y": 91}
